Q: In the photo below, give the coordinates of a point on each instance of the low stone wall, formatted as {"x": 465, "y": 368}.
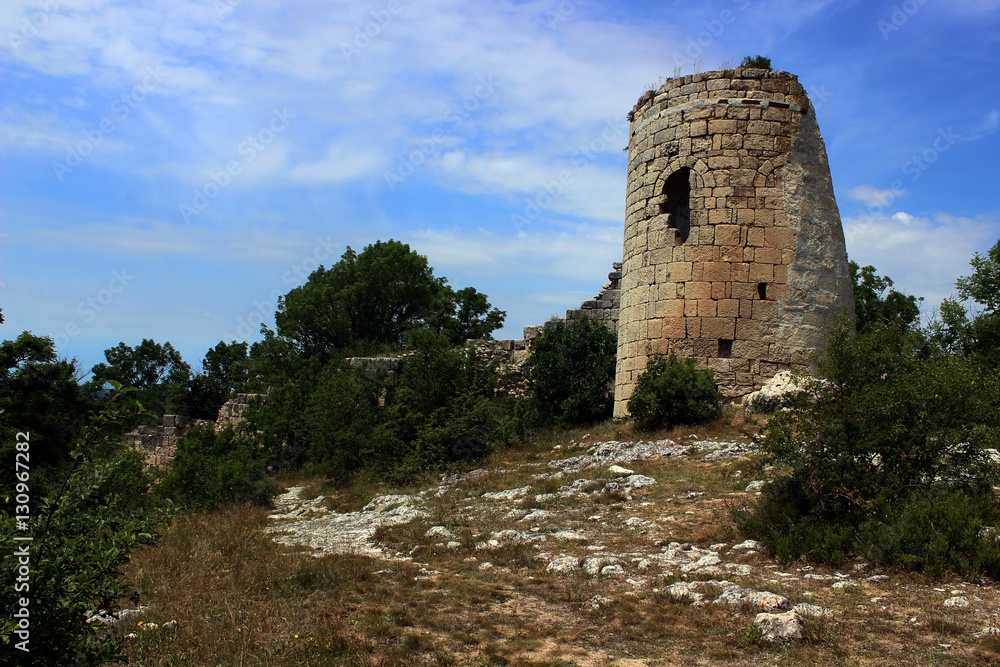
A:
{"x": 392, "y": 366}
{"x": 159, "y": 444}
{"x": 231, "y": 412}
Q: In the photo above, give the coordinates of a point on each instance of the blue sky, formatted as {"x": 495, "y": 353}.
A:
{"x": 168, "y": 169}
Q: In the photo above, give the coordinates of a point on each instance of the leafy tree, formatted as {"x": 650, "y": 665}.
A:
{"x": 672, "y": 392}
{"x": 343, "y": 424}
{"x": 83, "y": 531}
{"x": 210, "y": 468}
{"x": 980, "y": 335}
{"x": 466, "y": 315}
{"x": 157, "y": 371}
{"x": 756, "y": 62}
{"x": 38, "y": 394}
{"x": 225, "y": 371}
{"x": 891, "y": 462}
{"x": 367, "y": 301}
{"x": 876, "y": 301}
{"x": 442, "y": 404}
{"x": 571, "y": 371}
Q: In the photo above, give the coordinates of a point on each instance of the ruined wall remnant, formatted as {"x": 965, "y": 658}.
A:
{"x": 159, "y": 444}
{"x": 734, "y": 252}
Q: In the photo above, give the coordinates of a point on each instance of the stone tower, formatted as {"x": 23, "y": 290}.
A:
{"x": 734, "y": 252}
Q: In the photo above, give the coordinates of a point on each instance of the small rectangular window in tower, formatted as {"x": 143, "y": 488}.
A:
{"x": 725, "y": 348}
{"x": 762, "y": 290}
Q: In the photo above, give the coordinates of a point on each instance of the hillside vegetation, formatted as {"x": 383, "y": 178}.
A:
{"x": 886, "y": 464}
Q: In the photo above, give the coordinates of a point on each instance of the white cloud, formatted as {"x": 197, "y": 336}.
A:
{"x": 341, "y": 163}
{"x": 157, "y": 238}
{"x": 923, "y": 255}
{"x": 583, "y": 253}
{"x": 986, "y": 127}
{"x": 872, "y": 196}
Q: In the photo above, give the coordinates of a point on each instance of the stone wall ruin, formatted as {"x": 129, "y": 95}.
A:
{"x": 734, "y": 252}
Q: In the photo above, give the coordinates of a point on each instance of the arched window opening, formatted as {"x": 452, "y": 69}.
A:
{"x": 677, "y": 203}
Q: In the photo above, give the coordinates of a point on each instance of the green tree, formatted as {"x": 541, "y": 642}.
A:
{"x": 368, "y": 301}
{"x": 980, "y": 334}
{"x": 891, "y": 462}
{"x": 571, "y": 371}
{"x": 224, "y": 371}
{"x": 466, "y": 315}
{"x": 157, "y": 371}
{"x": 84, "y": 530}
{"x": 342, "y": 425}
{"x": 39, "y": 393}
{"x": 210, "y": 468}
{"x": 876, "y": 301}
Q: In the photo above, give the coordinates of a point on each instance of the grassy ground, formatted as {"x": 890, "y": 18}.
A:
{"x": 241, "y": 599}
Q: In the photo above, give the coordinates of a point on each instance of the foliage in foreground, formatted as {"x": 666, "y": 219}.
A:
{"x": 671, "y": 392}
{"x": 571, "y": 372}
{"x": 891, "y": 462}
{"x": 83, "y": 533}
{"x": 976, "y": 334}
{"x": 210, "y": 468}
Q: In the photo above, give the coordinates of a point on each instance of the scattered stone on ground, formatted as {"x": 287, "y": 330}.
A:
{"x": 584, "y": 523}
{"x": 779, "y": 627}
{"x": 342, "y": 533}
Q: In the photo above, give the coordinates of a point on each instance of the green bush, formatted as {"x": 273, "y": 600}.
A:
{"x": 891, "y": 462}
{"x": 211, "y": 468}
{"x": 83, "y": 532}
{"x": 672, "y": 392}
{"x": 571, "y": 372}
{"x": 756, "y": 62}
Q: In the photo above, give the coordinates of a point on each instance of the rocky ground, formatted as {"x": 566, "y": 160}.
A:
{"x": 623, "y": 553}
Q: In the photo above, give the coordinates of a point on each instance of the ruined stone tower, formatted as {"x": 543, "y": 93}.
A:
{"x": 734, "y": 252}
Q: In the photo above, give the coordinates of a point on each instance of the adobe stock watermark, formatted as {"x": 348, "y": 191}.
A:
{"x": 714, "y": 29}
{"x": 898, "y": 17}
{"x": 120, "y": 110}
{"x": 363, "y": 36}
{"x": 22, "y": 552}
{"x": 223, "y": 8}
{"x": 581, "y": 159}
{"x": 88, "y": 309}
{"x": 32, "y": 25}
{"x": 915, "y": 168}
{"x": 429, "y": 146}
{"x": 297, "y": 274}
{"x": 249, "y": 148}
{"x": 561, "y": 13}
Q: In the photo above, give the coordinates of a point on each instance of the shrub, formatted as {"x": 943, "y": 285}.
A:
{"x": 571, "y": 372}
{"x": 672, "y": 392}
{"x": 756, "y": 62}
{"x": 83, "y": 533}
{"x": 211, "y": 468}
{"x": 892, "y": 462}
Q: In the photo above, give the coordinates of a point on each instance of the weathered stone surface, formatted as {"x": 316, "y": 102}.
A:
{"x": 439, "y": 532}
{"x": 563, "y": 564}
{"x": 779, "y": 391}
{"x": 333, "y": 532}
{"x": 735, "y": 222}
{"x": 779, "y": 627}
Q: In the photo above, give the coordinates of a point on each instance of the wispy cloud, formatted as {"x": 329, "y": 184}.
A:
{"x": 923, "y": 255}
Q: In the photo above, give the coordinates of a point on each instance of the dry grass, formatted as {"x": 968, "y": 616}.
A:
{"x": 241, "y": 599}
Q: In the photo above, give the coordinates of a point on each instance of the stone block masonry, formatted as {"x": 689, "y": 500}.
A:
{"x": 159, "y": 444}
{"x": 734, "y": 252}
